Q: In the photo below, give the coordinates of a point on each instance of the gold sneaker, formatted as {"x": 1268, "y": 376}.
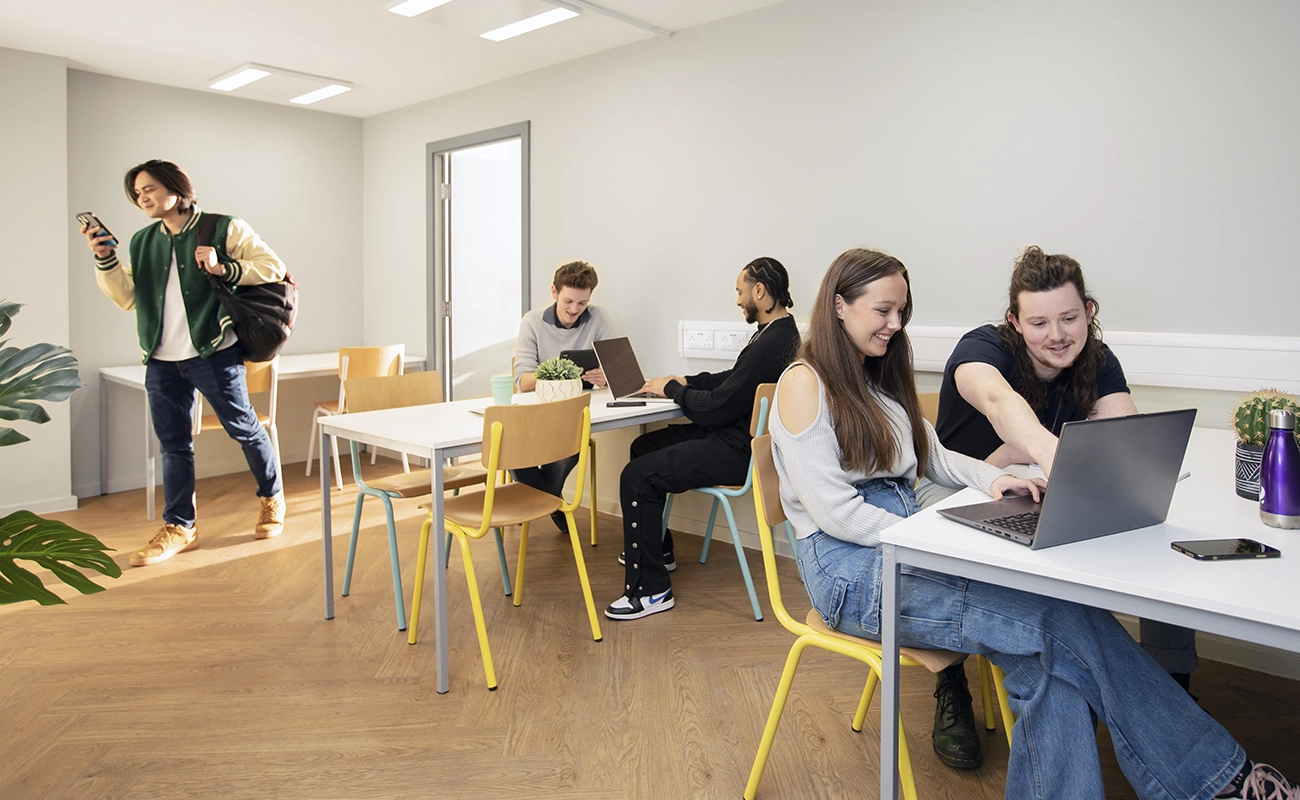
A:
{"x": 167, "y": 542}
{"x": 270, "y": 518}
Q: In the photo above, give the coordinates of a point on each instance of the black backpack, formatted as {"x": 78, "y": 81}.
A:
{"x": 263, "y": 313}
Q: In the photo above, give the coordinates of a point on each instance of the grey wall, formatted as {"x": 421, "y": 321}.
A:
{"x": 293, "y": 174}
{"x": 35, "y": 475}
{"x": 1153, "y": 141}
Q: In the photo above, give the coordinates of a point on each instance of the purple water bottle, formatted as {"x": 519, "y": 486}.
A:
{"x": 1279, "y": 476}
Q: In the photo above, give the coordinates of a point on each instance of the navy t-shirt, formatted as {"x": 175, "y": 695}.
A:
{"x": 964, "y": 429}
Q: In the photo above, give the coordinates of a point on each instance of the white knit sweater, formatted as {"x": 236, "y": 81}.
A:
{"x": 818, "y": 493}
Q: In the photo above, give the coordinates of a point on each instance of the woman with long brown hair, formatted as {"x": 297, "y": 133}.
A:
{"x": 854, "y": 455}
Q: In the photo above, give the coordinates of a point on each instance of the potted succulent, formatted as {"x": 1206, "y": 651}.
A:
{"x": 47, "y": 373}
{"x": 1250, "y": 422}
{"x": 557, "y": 379}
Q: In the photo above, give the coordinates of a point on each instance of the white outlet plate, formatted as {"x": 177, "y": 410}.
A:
{"x": 698, "y": 340}
{"x": 734, "y": 340}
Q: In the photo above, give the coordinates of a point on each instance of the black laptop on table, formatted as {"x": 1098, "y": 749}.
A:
{"x": 1109, "y": 475}
{"x": 622, "y": 371}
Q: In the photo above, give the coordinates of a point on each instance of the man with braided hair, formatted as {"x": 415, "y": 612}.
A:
{"x": 713, "y": 449}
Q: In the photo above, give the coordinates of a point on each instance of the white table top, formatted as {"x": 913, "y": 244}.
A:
{"x": 1139, "y": 566}
{"x": 419, "y": 430}
{"x": 309, "y": 365}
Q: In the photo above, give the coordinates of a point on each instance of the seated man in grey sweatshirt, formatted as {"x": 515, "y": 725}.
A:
{"x": 570, "y": 323}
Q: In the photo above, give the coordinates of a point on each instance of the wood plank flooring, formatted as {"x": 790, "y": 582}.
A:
{"x": 215, "y": 675}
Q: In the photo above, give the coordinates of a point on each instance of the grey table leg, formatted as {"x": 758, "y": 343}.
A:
{"x": 103, "y": 436}
{"x": 439, "y": 573}
{"x": 327, "y": 537}
{"x": 148, "y": 459}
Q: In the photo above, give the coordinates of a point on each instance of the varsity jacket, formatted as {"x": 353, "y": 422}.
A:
{"x": 142, "y": 283}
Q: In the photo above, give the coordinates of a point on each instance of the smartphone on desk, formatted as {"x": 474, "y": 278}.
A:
{"x": 1225, "y": 549}
{"x": 88, "y": 219}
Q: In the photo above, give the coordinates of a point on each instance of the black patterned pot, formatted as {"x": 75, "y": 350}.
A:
{"x": 1249, "y": 458}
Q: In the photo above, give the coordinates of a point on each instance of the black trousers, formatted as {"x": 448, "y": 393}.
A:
{"x": 671, "y": 460}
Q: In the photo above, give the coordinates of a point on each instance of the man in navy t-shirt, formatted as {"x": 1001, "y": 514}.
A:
{"x": 1006, "y": 393}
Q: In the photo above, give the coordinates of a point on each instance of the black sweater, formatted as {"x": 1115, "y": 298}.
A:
{"x": 724, "y": 401}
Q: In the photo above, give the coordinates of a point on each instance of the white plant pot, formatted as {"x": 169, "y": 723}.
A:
{"x": 558, "y": 390}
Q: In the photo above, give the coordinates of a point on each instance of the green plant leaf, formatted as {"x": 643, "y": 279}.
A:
{"x": 7, "y": 312}
{"x": 41, "y": 372}
{"x": 54, "y": 545}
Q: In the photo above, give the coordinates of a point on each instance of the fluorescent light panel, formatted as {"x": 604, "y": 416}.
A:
{"x": 320, "y": 94}
{"x": 411, "y": 8}
{"x": 530, "y": 24}
{"x": 240, "y": 77}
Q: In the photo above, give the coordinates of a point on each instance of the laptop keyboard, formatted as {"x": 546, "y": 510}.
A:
{"x": 1026, "y": 523}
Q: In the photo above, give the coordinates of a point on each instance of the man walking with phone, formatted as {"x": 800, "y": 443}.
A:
{"x": 187, "y": 340}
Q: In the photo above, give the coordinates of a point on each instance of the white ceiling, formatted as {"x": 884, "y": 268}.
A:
{"x": 391, "y": 61}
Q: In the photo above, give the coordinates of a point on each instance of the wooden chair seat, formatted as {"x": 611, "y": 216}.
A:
{"x": 416, "y": 482}
{"x": 933, "y": 660}
{"x": 514, "y": 504}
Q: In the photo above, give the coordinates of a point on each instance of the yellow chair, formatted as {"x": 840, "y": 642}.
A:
{"x": 261, "y": 376}
{"x": 814, "y": 631}
{"x": 513, "y": 437}
{"x": 399, "y": 391}
{"x": 355, "y": 362}
{"x": 990, "y": 674}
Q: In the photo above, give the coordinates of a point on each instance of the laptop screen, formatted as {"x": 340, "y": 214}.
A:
{"x": 619, "y": 363}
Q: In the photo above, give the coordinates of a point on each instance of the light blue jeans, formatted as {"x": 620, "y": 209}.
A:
{"x": 1066, "y": 666}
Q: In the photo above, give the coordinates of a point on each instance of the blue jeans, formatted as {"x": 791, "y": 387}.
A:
{"x": 171, "y": 385}
{"x": 1064, "y": 663}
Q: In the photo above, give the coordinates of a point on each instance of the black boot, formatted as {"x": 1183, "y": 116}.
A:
{"x": 955, "y": 740}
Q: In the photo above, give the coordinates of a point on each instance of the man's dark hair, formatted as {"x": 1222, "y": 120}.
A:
{"x": 578, "y": 274}
{"x": 770, "y": 273}
{"x": 172, "y": 177}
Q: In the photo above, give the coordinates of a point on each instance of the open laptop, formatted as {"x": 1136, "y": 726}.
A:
{"x": 1109, "y": 475}
{"x": 622, "y": 371}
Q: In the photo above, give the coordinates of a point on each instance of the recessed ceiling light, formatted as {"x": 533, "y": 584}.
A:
{"x": 320, "y": 94}
{"x": 530, "y": 24}
{"x": 238, "y": 77}
{"x": 411, "y": 8}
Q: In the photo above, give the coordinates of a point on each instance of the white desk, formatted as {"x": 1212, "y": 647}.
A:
{"x": 1134, "y": 572}
{"x": 439, "y": 432}
{"x": 312, "y": 365}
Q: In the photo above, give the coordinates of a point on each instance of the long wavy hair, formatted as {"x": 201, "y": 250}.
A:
{"x": 1037, "y": 271}
{"x": 867, "y": 442}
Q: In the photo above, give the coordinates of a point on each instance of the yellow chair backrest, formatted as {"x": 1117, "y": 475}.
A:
{"x": 930, "y": 406}
{"x": 393, "y": 391}
{"x": 767, "y": 506}
{"x": 261, "y": 375}
{"x": 535, "y": 433}
{"x": 371, "y": 362}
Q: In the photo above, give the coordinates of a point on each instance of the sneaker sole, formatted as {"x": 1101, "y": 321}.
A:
{"x": 268, "y": 534}
{"x": 163, "y": 556}
{"x": 645, "y": 612}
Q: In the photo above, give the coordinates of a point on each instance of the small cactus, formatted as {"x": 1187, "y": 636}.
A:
{"x": 1250, "y": 420}
{"x": 558, "y": 369}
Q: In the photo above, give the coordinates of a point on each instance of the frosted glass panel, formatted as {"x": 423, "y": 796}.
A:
{"x": 485, "y": 268}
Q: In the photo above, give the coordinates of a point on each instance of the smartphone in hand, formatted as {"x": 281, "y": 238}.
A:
{"x": 89, "y": 220}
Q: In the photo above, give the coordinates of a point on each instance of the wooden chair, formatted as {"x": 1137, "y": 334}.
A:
{"x": 814, "y": 631}
{"x": 722, "y": 496}
{"x": 399, "y": 391}
{"x": 356, "y": 362}
{"x": 261, "y": 376}
{"x": 991, "y": 674}
{"x": 513, "y": 437}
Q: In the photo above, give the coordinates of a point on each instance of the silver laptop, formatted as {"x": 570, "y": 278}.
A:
{"x": 1109, "y": 475}
{"x": 622, "y": 371}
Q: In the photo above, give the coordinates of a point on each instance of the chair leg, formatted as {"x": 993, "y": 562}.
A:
{"x": 868, "y": 691}
{"x": 789, "y": 534}
{"x": 374, "y": 455}
{"x": 419, "y": 580}
{"x": 774, "y": 716}
{"x": 1008, "y": 716}
{"x": 582, "y": 576}
{"x": 740, "y": 556}
{"x": 708, "y": 532}
{"x": 406, "y": 463}
{"x": 479, "y": 624}
{"x": 311, "y": 441}
{"x": 501, "y": 557}
{"x": 591, "y": 458}
{"x": 905, "y": 763}
{"x": 398, "y": 600}
{"x": 519, "y": 568}
{"x": 338, "y": 470}
{"x": 986, "y": 690}
{"x": 352, "y": 544}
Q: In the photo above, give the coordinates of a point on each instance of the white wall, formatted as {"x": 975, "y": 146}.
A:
{"x": 1154, "y": 142}
{"x": 35, "y": 475}
{"x": 294, "y": 174}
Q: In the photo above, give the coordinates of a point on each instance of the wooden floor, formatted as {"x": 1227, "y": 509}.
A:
{"x": 215, "y": 675}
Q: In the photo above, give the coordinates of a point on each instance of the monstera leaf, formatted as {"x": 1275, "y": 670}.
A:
{"x": 40, "y": 372}
{"x": 54, "y": 546}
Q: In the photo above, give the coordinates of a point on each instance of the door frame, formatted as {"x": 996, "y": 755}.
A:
{"x": 438, "y": 244}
